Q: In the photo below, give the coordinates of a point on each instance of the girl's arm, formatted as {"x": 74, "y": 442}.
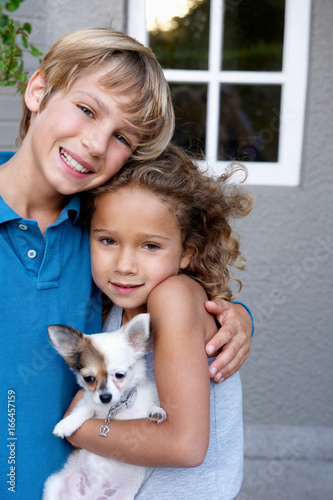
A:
{"x": 181, "y": 328}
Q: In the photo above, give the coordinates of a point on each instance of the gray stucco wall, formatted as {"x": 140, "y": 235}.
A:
{"x": 288, "y": 241}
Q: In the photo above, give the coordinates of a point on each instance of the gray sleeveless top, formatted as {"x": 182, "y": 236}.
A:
{"x": 220, "y": 476}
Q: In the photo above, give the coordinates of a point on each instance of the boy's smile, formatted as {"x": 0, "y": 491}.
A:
{"x": 135, "y": 245}
{"x": 78, "y": 165}
{"x": 81, "y": 138}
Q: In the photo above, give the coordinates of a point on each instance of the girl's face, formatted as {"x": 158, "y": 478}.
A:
{"x": 135, "y": 245}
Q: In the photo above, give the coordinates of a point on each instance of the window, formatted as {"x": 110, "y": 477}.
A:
{"x": 238, "y": 73}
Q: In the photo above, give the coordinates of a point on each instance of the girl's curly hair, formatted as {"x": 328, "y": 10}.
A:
{"x": 203, "y": 205}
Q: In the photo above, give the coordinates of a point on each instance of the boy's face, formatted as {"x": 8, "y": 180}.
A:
{"x": 135, "y": 245}
{"x": 80, "y": 139}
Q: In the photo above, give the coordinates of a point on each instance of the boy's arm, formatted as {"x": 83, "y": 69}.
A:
{"x": 234, "y": 337}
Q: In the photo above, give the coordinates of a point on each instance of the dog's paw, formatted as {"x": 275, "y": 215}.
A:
{"x": 65, "y": 428}
{"x": 157, "y": 415}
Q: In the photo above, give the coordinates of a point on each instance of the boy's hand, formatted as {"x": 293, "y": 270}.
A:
{"x": 234, "y": 336}
{"x": 72, "y": 406}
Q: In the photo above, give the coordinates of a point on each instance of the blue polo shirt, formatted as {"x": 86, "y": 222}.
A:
{"x": 43, "y": 281}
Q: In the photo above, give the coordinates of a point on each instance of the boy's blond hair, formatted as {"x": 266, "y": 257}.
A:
{"x": 130, "y": 69}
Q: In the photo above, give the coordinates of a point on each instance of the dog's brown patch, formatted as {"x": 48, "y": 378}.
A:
{"x": 90, "y": 362}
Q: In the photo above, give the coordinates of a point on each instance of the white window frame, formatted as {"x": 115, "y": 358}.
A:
{"x": 293, "y": 80}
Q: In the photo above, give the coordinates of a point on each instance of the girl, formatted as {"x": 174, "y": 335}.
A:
{"x": 161, "y": 242}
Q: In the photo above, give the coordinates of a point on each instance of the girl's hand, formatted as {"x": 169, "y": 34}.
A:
{"x": 234, "y": 337}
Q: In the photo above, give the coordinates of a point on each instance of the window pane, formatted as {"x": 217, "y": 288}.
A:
{"x": 190, "y": 110}
{"x": 179, "y": 32}
{"x": 253, "y": 35}
{"x": 249, "y": 122}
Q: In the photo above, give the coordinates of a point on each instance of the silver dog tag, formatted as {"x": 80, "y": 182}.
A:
{"x": 104, "y": 430}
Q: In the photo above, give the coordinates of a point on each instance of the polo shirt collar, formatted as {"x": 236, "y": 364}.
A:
{"x": 71, "y": 211}
{"x": 6, "y": 156}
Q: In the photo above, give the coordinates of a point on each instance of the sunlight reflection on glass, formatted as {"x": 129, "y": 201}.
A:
{"x": 179, "y": 32}
{"x": 159, "y": 13}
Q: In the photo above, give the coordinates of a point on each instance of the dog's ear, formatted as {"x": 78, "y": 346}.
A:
{"x": 65, "y": 339}
{"x": 137, "y": 332}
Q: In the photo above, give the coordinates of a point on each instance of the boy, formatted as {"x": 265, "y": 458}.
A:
{"x": 98, "y": 98}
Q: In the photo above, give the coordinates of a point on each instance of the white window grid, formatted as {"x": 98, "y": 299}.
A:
{"x": 293, "y": 80}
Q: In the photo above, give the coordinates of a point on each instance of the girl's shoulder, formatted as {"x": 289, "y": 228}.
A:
{"x": 180, "y": 287}
{"x": 181, "y": 300}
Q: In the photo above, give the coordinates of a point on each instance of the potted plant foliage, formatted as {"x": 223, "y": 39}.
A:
{"x": 14, "y": 41}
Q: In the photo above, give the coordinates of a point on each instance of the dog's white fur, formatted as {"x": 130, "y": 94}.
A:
{"x": 87, "y": 476}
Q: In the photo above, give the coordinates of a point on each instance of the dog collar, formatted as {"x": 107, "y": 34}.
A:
{"x": 125, "y": 402}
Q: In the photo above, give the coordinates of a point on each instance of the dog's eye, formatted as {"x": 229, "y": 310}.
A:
{"x": 90, "y": 379}
{"x": 120, "y": 375}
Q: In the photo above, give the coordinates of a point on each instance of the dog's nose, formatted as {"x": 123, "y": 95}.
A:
{"x": 105, "y": 398}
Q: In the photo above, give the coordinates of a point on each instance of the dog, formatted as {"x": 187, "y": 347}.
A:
{"x": 111, "y": 370}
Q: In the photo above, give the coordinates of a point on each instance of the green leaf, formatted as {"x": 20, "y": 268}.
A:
{"x": 34, "y": 51}
{"x": 7, "y": 38}
{"x": 12, "y": 45}
{"x": 27, "y": 27}
{"x": 13, "y": 5}
{"x": 7, "y": 83}
{"x": 3, "y": 20}
{"x": 14, "y": 64}
{"x": 25, "y": 42}
{"x": 23, "y": 77}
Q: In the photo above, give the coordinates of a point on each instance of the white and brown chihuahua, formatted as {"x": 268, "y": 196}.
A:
{"x": 111, "y": 369}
